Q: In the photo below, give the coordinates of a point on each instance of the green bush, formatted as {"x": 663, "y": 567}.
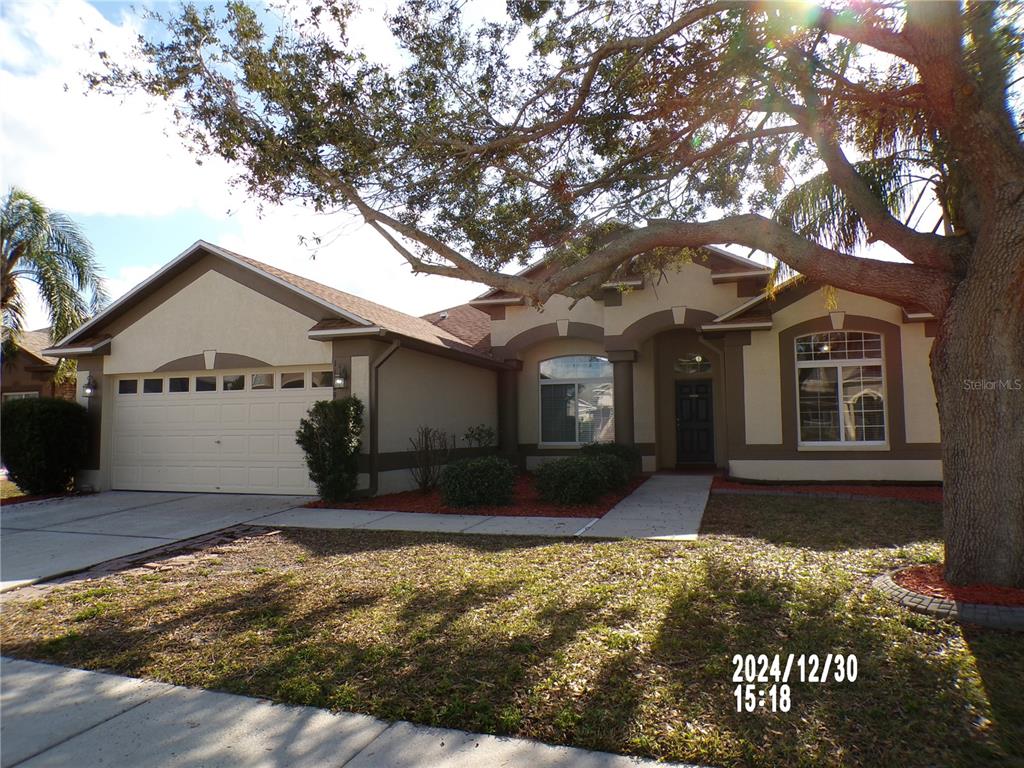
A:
{"x": 43, "y": 442}
{"x": 330, "y": 438}
{"x": 627, "y": 453}
{"x": 482, "y": 481}
{"x": 574, "y": 480}
{"x": 617, "y": 472}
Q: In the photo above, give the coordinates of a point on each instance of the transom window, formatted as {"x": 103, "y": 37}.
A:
{"x": 841, "y": 388}
{"x": 576, "y": 400}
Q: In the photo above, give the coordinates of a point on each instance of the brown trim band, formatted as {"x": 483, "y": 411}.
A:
{"x": 531, "y": 449}
{"x": 220, "y": 360}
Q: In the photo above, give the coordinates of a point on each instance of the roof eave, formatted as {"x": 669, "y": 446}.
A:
{"x": 202, "y": 245}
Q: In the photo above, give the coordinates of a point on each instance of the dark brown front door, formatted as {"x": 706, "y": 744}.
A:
{"x": 695, "y": 428}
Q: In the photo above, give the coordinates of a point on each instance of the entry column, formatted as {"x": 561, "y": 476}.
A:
{"x": 622, "y": 379}
{"x": 508, "y": 408}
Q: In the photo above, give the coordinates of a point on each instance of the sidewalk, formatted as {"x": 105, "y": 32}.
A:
{"x": 54, "y": 716}
{"x": 665, "y": 507}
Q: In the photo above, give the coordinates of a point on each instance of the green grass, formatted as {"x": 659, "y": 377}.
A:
{"x": 619, "y": 646}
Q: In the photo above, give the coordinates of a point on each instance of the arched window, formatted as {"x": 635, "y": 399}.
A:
{"x": 576, "y": 400}
{"x": 841, "y": 388}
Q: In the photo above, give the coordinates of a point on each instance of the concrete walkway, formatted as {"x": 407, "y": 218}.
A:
{"x": 665, "y": 507}
{"x": 53, "y": 716}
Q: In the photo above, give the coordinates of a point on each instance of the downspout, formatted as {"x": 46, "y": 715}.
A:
{"x": 374, "y": 417}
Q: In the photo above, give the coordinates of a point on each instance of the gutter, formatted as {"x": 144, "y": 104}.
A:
{"x": 374, "y": 415}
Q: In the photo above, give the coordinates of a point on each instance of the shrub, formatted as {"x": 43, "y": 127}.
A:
{"x": 482, "y": 481}
{"x": 43, "y": 442}
{"x": 431, "y": 449}
{"x": 628, "y": 453}
{"x": 480, "y": 436}
{"x": 330, "y": 438}
{"x": 574, "y": 480}
{"x": 617, "y": 472}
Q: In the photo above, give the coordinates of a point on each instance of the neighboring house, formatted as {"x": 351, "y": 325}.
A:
{"x": 204, "y": 370}
{"x": 29, "y": 373}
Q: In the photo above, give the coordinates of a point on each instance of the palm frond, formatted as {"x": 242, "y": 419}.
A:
{"x": 50, "y": 250}
{"x": 819, "y": 210}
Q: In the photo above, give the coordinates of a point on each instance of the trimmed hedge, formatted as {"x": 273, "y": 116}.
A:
{"x": 329, "y": 436}
{"x": 575, "y": 480}
{"x": 43, "y": 443}
{"x": 476, "y": 482}
{"x": 617, "y": 472}
{"x": 629, "y": 454}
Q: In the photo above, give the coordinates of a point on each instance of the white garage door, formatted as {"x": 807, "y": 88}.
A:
{"x": 226, "y": 431}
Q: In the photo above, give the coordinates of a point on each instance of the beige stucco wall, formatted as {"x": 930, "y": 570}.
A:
{"x": 762, "y": 393}
{"x": 529, "y": 379}
{"x": 762, "y": 389}
{"x": 908, "y": 470}
{"x": 215, "y": 312}
{"x": 523, "y": 318}
{"x": 417, "y": 389}
{"x": 688, "y": 286}
{"x": 919, "y": 405}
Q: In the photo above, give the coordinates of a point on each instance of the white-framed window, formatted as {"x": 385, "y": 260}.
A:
{"x": 576, "y": 400}
{"x": 840, "y": 379}
{"x": 19, "y": 395}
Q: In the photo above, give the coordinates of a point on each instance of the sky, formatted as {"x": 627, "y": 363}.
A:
{"x": 117, "y": 167}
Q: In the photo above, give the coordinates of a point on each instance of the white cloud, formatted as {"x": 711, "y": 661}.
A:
{"x": 89, "y": 153}
{"x": 353, "y": 258}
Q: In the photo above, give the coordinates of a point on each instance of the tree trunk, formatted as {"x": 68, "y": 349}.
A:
{"x": 978, "y": 371}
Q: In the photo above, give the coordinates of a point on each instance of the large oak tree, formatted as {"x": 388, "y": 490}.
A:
{"x": 595, "y": 132}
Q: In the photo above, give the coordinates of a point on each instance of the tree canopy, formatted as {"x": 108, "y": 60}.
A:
{"x": 591, "y": 132}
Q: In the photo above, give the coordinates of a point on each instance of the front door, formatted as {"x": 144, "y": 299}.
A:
{"x": 695, "y": 428}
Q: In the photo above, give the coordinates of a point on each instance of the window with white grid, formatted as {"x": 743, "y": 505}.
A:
{"x": 840, "y": 388}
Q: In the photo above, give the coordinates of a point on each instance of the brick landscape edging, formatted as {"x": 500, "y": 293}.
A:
{"x": 993, "y": 616}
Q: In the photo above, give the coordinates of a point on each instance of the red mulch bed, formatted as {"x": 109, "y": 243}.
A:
{"x": 927, "y": 580}
{"x": 902, "y": 492}
{"x": 526, "y": 503}
{"x": 40, "y": 497}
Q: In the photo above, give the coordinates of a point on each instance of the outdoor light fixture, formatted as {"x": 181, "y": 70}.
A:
{"x": 340, "y": 377}
{"x": 698, "y": 359}
{"x": 90, "y": 386}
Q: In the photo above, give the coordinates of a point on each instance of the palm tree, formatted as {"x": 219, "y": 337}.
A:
{"x": 49, "y": 249}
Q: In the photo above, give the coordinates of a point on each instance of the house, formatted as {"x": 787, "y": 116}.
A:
{"x": 29, "y": 373}
{"x": 201, "y": 373}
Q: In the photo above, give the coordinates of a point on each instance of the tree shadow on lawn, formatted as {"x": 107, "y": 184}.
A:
{"x": 823, "y": 524}
{"x": 911, "y": 705}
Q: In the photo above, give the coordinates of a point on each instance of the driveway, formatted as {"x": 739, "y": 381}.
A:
{"x": 44, "y": 539}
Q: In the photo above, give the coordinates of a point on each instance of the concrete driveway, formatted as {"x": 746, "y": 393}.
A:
{"x": 43, "y": 539}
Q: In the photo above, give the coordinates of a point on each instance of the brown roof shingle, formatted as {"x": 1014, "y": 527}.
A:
{"x": 470, "y": 324}
{"x": 377, "y": 314}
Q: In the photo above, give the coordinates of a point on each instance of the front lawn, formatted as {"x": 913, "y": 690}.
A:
{"x": 622, "y": 646}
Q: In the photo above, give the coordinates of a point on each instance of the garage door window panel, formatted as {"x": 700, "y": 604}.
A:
{"x": 152, "y": 386}
{"x": 233, "y": 383}
{"x": 177, "y": 384}
{"x": 206, "y": 383}
{"x": 294, "y": 381}
{"x": 324, "y": 379}
{"x": 128, "y": 387}
{"x": 262, "y": 381}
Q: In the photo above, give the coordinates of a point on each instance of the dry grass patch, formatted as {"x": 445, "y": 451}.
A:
{"x": 621, "y": 646}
